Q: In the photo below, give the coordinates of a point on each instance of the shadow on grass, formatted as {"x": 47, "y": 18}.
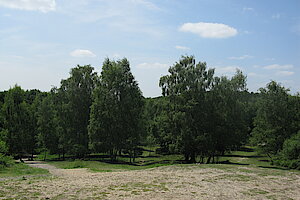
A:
{"x": 242, "y": 156}
{"x": 245, "y": 149}
{"x": 141, "y": 164}
{"x": 273, "y": 167}
{"x": 264, "y": 160}
{"x": 227, "y": 162}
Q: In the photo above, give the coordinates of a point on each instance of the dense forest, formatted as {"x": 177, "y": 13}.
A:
{"x": 199, "y": 115}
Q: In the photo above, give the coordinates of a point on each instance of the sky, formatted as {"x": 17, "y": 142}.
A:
{"x": 41, "y": 40}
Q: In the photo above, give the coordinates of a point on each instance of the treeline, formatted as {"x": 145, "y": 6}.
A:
{"x": 200, "y": 116}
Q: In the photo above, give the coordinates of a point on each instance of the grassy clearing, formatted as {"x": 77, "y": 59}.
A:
{"x": 248, "y": 156}
{"x": 20, "y": 169}
{"x": 102, "y": 163}
{"x": 98, "y": 166}
{"x": 245, "y": 160}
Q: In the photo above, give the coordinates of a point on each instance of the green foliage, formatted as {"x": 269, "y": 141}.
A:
{"x": 75, "y": 99}
{"x": 186, "y": 86}
{"x": 290, "y": 154}
{"x": 116, "y": 112}
{"x": 274, "y": 122}
{"x": 19, "y": 122}
{"x": 5, "y": 161}
{"x": 158, "y": 125}
{"x": 200, "y": 116}
{"x": 226, "y": 114}
{"x": 291, "y": 147}
{"x": 3, "y": 139}
{"x": 205, "y": 114}
{"x": 48, "y": 138}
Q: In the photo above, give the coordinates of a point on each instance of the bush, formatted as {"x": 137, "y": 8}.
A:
{"x": 291, "y": 164}
{"x": 5, "y": 161}
{"x": 290, "y": 154}
{"x": 291, "y": 147}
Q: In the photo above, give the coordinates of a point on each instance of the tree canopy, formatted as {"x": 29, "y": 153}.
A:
{"x": 200, "y": 115}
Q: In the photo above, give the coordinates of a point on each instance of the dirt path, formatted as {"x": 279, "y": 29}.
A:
{"x": 170, "y": 182}
{"x": 58, "y": 172}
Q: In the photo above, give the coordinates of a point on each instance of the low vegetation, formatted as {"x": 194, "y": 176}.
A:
{"x": 21, "y": 170}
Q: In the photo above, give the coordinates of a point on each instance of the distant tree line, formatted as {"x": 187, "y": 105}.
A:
{"x": 199, "y": 115}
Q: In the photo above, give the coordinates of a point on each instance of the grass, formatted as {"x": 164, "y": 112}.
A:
{"x": 98, "y": 166}
{"x": 102, "y": 163}
{"x": 245, "y": 160}
{"x": 20, "y": 169}
{"x": 247, "y": 157}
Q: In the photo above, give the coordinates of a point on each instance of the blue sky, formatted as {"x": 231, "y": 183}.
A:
{"x": 41, "y": 40}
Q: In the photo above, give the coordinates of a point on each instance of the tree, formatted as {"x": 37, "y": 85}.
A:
{"x": 47, "y": 125}
{"x": 116, "y": 112}
{"x": 274, "y": 121}
{"x": 158, "y": 125}
{"x": 186, "y": 86}
{"x": 75, "y": 95}
{"x": 19, "y": 122}
{"x": 226, "y": 123}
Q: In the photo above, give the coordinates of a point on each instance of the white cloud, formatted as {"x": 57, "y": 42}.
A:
{"x": 82, "y": 53}
{"x": 240, "y": 57}
{"x": 39, "y": 5}
{"x": 182, "y": 47}
{"x": 152, "y": 66}
{"x": 209, "y": 30}
{"x": 278, "y": 67}
{"x": 284, "y": 73}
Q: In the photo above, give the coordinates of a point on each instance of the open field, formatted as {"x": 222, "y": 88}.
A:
{"x": 247, "y": 177}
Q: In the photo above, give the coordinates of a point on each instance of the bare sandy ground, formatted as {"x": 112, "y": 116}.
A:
{"x": 170, "y": 182}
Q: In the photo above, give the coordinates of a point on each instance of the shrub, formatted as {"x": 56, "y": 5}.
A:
{"x": 5, "y": 161}
{"x": 290, "y": 154}
{"x": 291, "y": 147}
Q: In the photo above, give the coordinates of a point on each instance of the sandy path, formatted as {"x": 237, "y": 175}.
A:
{"x": 170, "y": 182}
{"x": 58, "y": 172}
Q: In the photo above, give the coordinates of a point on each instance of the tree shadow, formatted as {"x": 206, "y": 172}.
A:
{"x": 242, "y": 156}
{"x": 227, "y": 162}
{"x": 264, "y": 160}
{"x": 245, "y": 149}
{"x": 274, "y": 167}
